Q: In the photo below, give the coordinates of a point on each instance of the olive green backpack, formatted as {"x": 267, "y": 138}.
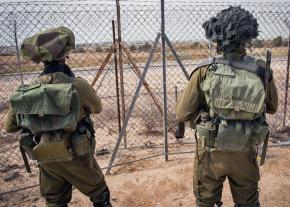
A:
{"x": 46, "y": 107}
{"x": 51, "y": 112}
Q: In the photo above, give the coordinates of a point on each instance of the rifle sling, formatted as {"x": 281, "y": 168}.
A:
{"x": 24, "y": 156}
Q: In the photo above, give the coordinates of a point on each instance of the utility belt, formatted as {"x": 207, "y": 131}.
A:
{"x": 60, "y": 146}
{"x": 230, "y": 135}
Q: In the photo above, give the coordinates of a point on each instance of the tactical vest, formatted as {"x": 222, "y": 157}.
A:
{"x": 235, "y": 95}
{"x": 51, "y": 111}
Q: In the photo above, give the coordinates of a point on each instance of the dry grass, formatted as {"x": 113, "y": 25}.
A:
{"x": 9, "y": 64}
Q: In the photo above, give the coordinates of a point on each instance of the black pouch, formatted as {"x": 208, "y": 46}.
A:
{"x": 28, "y": 144}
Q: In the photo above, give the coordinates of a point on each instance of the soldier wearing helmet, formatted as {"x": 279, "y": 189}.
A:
{"x": 226, "y": 102}
{"x": 55, "y": 108}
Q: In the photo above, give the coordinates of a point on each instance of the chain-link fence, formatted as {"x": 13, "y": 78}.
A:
{"x": 93, "y": 59}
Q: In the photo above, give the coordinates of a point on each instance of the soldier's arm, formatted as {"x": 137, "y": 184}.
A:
{"x": 191, "y": 99}
{"x": 272, "y": 98}
{"x": 90, "y": 101}
{"x": 10, "y": 123}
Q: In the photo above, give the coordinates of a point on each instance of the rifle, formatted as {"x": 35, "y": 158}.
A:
{"x": 26, "y": 145}
{"x": 25, "y": 160}
{"x": 266, "y": 85}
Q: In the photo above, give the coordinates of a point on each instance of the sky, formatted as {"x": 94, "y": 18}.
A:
{"x": 2, "y": 1}
{"x": 92, "y": 22}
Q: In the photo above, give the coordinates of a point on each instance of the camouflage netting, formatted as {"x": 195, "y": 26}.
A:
{"x": 231, "y": 29}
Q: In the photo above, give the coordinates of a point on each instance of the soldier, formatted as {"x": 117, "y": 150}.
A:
{"x": 225, "y": 101}
{"x": 56, "y": 109}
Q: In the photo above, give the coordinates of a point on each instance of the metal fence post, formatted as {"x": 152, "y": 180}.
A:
{"x": 163, "y": 50}
{"x": 176, "y": 57}
{"x": 132, "y": 105}
{"x": 121, "y": 66}
{"x": 17, "y": 52}
{"x": 116, "y": 76}
{"x": 287, "y": 83}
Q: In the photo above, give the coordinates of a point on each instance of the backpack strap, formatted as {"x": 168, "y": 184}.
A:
{"x": 248, "y": 63}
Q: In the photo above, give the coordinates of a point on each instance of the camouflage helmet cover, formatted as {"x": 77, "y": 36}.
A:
{"x": 49, "y": 45}
{"x": 231, "y": 28}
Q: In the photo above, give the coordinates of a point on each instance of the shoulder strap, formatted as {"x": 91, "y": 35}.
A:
{"x": 202, "y": 64}
{"x": 248, "y": 63}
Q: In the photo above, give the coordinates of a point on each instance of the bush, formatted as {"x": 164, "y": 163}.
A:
{"x": 99, "y": 48}
{"x": 132, "y": 48}
{"x": 145, "y": 47}
{"x": 107, "y": 49}
{"x": 80, "y": 49}
{"x": 285, "y": 43}
{"x": 195, "y": 45}
{"x": 277, "y": 41}
{"x": 258, "y": 43}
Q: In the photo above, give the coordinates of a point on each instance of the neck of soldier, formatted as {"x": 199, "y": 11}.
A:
{"x": 57, "y": 66}
{"x": 236, "y": 54}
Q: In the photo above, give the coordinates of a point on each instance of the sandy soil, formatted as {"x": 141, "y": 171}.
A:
{"x": 157, "y": 183}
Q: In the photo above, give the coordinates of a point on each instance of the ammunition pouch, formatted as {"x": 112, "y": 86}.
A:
{"x": 260, "y": 132}
{"x": 53, "y": 147}
{"x": 207, "y": 134}
{"x": 234, "y": 135}
{"x": 60, "y": 146}
{"x": 82, "y": 140}
{"x": 231, "y": 135}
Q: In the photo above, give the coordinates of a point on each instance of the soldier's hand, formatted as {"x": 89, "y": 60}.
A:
{"x": 179, "y": 133}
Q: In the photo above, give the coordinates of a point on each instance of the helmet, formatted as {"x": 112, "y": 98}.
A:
{"x": 50, "y": 45}
{"x": 231, "y": 29}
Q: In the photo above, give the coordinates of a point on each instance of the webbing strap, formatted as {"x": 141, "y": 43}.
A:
{"x": 248, "y": 63}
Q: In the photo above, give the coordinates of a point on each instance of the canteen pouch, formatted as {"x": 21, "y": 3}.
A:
{"x": 53, "y": 148}
{"x": 207, "y": 134}
{"x": 234, "y": 135}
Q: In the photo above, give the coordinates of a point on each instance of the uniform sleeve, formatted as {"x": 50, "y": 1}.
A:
{"x": 192, "y": 99}
{"x": 272, "y": 98}
{"x": 10, "y": 123}
{"x": 90, "y": 101}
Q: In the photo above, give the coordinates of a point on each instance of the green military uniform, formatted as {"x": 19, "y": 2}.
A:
{"x": 212, "y": 168}
{"x": 226, "y": 106}
{"x": 83, "y": 172}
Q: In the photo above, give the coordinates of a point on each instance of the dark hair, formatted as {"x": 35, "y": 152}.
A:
{"x": 231, "y": 29}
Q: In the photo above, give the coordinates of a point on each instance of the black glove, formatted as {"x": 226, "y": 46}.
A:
{"x": 179, "y": 133}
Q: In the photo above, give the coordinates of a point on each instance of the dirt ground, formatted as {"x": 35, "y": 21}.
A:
{"x": 147, "y": 183}
{"x": 155, "y": 183}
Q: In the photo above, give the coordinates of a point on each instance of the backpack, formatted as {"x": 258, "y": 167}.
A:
{"x": 51, "y": 112}
{"x": 46, "y": 107}
{"x": 235, "y": 96}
